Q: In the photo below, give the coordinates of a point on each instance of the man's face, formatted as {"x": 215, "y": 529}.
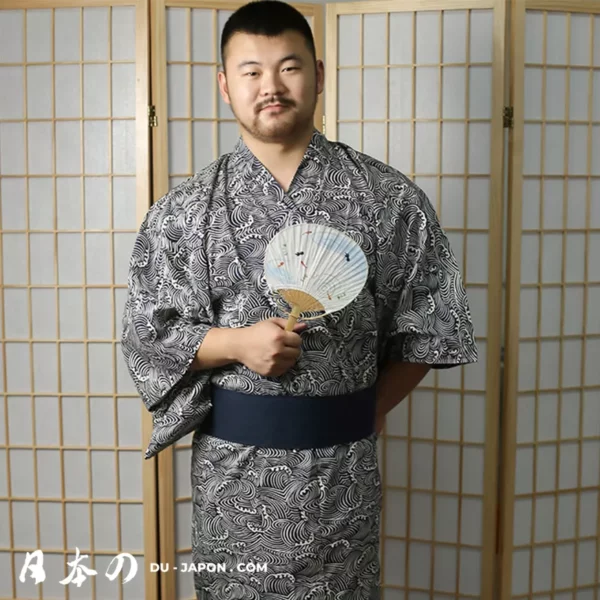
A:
{"x": 271, "y": 84}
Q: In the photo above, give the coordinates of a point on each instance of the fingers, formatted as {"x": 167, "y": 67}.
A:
{"x": 289, "y": 354}
{"x": 289, "y": 338}
{"x": 283, "y": 322}
{"x": 292, "y": 340}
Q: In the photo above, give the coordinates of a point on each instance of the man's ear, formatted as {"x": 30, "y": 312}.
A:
{"x": 222, "y": 81}
{"x": 320, "y": 76}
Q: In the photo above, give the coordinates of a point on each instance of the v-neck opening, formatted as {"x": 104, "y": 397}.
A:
{"x": 255, "y": 175}
{"x": 294, "y": 177}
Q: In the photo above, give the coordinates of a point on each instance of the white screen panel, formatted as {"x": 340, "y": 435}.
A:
{"x": 201, "y": 126}
{"x": 438, "y": 132}
{"x": 558, "y": 452}
{"x": 62, "y": 143}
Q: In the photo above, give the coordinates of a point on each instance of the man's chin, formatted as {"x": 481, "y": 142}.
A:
{"x": 275, "y": 132}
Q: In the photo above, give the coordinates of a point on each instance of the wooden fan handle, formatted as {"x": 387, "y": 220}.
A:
{"x": 293, "y": 318}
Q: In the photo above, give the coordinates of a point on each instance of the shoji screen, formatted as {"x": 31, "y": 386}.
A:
{"x": 194, "y": 127}
{"x": 73, "y": 95}
{"x": 552, "y": 452}
{"x": 419, "y": 85}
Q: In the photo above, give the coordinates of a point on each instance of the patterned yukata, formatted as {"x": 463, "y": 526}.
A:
{"x": 310, "y": 516}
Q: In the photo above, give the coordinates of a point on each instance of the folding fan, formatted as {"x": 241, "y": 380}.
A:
{"x": 315, "y": 269}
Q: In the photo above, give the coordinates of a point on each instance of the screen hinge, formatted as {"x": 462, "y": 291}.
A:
{"x": 152, "y": 118}
{"x": 509, "y": 115}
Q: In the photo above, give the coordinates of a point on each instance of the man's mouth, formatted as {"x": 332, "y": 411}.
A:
{"x": 275, "y": 105}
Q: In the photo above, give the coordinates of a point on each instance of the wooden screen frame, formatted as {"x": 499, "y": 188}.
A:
{"x": 515, "y": 162}
{"x": 142, "y": 203}
{"x": 494, "y": 333}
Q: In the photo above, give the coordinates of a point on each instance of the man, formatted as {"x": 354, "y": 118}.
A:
{"x": 284, "y": 454}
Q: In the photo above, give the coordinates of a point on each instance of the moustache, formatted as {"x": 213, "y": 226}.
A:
{"x": 281, "y": 101}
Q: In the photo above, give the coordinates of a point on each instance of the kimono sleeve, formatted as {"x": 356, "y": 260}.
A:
{"x": 167, "y": 313}
{"x": 424, "y": 309}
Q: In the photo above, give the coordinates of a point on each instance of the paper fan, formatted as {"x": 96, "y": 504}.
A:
{"x": 315, "y": 269}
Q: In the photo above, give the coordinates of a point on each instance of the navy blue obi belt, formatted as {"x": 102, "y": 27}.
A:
{"x": 290, "y": 422}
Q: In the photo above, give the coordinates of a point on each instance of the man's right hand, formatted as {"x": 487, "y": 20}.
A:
{"x": 267, "y": 348}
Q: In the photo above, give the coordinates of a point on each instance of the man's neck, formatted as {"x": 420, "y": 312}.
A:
{"x": 281, "y": 159}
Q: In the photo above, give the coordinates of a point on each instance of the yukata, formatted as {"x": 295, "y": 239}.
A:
{"x": 310, "y": 516}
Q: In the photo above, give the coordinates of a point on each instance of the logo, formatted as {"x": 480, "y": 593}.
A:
{"x": 79, "y": 573}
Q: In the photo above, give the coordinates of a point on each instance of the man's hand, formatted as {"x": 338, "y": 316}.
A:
{"x": 267, "y": 348}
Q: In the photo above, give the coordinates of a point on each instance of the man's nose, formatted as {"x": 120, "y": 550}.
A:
{"x": 271, "y": 83}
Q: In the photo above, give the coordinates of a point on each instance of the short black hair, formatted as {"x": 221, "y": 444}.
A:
{"x": 269, "y": 18}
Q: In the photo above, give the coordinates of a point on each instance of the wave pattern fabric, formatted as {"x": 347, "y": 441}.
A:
{"x": 198, "y": 263}
{"x": 290, "y": 525}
